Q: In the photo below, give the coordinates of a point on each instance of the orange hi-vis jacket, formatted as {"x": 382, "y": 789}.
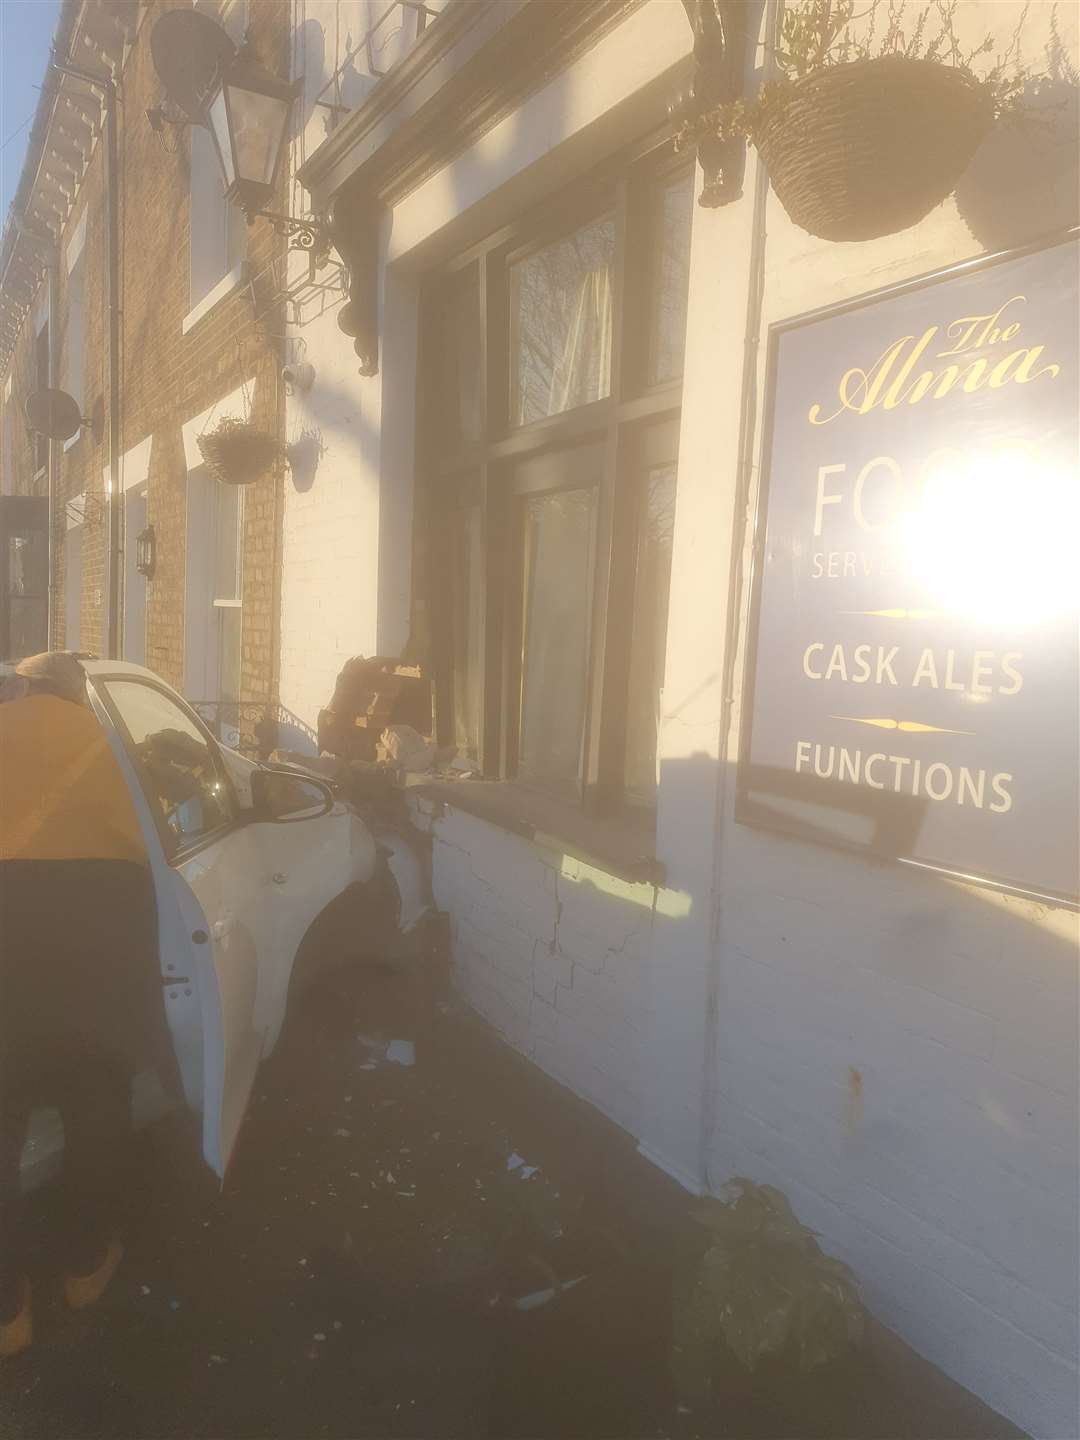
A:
{"x": 62, "y": 794}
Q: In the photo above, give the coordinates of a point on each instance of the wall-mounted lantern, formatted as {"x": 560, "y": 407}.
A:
{"x": 146, "y": 552}
{"x": 247, "y": 109}
{"x": 248, "y": 115}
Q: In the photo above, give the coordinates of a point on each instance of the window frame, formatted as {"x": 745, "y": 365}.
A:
{"x": 491, "y": 471}
{"x": 176, "y": 852}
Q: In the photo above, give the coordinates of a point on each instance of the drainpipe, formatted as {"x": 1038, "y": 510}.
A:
{"x": 107, "y": 87}
{"x": 54, "y": 445}
{"x": 744, "y": 481}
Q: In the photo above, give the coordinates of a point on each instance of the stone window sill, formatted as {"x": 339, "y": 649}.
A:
{"x": 623, "y": 846}
{"x": 225, "y": 286}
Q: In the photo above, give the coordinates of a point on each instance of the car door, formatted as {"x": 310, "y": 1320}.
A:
{"x": 213, "y": 896}
{"x": 305, "y": 845}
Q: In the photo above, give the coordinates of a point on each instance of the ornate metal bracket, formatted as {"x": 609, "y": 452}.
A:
{"x": 354, "y": 233}
{"x": 312, "y": 236}
{"x": 720, "y": 43}
{"x": 352, "y": 230}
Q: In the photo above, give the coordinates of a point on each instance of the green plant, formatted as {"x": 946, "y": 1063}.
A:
{"x": 764, "y": 1288}
{"x": 816, "y": 35}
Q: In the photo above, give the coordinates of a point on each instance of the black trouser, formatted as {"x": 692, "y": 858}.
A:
{"x": 92, "y": 1095}
{"x": 80, "y": 1011}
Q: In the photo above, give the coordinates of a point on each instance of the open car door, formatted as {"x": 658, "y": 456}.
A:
{"x": 211, "y": 896}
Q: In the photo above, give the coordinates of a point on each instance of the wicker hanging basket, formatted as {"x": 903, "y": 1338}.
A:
{"x": 868, "y": 148}
{"x": 236, "y": 453}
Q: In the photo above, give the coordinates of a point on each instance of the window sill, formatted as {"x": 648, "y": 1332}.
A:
{"x": 73, "y": 441}
{"x": 225, "y": 286}
{"x": 622, "y": 846}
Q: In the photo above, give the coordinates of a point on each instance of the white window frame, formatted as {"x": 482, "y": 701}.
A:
{"x": 75, "y": 513}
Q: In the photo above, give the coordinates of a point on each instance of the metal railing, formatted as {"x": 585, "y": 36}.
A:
{"x": 368, "y": 46}
{"x": 256, "y": 728}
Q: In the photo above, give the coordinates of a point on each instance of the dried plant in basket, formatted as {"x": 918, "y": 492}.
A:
{"x": 864, "y": 133}
{"x": 236, "y": 453}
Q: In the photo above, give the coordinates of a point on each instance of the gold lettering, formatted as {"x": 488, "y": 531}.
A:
{"x": 1023, "y": 371}
{"x": 892, "y": 381}
{"x": 973, "y": 378}
{"x": 894, "y": 396}
{"x": 969, "y": 338}
{"x": 862, "y": 395}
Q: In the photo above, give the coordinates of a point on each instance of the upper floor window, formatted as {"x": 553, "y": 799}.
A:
{"x": 42, "y": 380}
{"x": 553, "y": 371}
{"x": 218, "y": 230}
{"x": 7, "y": 455}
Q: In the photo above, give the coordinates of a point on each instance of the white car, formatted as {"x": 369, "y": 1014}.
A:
{"x": 246, "y": 859}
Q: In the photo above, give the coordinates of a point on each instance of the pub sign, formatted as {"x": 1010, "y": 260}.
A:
{"x": 913, "y": 665}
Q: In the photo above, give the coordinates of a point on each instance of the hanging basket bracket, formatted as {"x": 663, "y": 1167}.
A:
{"x": 720, "y": 50}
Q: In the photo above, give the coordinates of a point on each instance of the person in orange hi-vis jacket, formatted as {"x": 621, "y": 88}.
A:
{"x": 80, "y": 997}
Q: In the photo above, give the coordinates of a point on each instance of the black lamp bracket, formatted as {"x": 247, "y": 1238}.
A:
{"x": 158, "y": 118}
{"x": 311, "y": 235}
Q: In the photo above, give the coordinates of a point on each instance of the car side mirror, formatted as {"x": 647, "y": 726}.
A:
{"x": 282, "y": 795}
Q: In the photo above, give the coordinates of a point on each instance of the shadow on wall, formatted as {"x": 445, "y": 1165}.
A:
{"x": 1025, "y": 178}
{"x": 304, "y": 455}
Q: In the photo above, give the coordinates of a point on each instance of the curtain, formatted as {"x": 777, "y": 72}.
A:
{"x": 583, "y": 372}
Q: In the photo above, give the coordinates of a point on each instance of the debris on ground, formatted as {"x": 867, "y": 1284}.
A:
{"x": 376, "y": 1051}
{"x": 406, "y": 748}
{"x": 763, "y": 1288}
{"x": 516, "y": 1164}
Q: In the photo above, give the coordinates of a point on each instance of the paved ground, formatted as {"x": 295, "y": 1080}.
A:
{"x": 358, "y": 1275}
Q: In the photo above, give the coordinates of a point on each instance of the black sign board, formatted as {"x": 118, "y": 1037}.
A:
{"x": 913, "y": 671}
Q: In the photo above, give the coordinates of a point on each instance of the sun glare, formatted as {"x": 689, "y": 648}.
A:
{"x": 993, "y": 536}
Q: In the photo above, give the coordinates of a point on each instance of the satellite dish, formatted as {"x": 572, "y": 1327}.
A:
{"x": 189, "y": 51}
{"x": 54, "y": 413}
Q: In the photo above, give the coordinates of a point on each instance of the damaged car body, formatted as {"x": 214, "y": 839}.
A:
{"x": 263, "y": 873}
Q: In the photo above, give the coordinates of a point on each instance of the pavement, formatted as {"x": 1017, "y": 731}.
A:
{"x": 425, "y": 1238}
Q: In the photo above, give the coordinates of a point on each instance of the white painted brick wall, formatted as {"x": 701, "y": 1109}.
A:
{"x": 551, "y": 962}
{"x": 950, "y": 1183}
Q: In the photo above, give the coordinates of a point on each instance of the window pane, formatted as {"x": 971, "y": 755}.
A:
{"x": 28, "y": 564}
{"x": 468, "y": 630}
{"x": 670, "y": 279}
{"x": 459, "y": 359}
{"x": 41, "y": 371}
{"x": 229, "y": 621}
{"x": 558, "y": 569}
{"x": 560, "y": 306}
{"x": 74, "y": 357}
{"x": 175, "y": 761}
{"x": 652, "y": 582}
{"x": 28, "y": 626}
{"x": 227, "y": 502}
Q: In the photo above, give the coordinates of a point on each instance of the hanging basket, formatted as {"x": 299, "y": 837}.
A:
{"x": 865, "y": 149}
{"x": 238, "y": 454}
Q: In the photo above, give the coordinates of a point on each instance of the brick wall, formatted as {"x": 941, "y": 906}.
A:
{"x": 167, "y": 376}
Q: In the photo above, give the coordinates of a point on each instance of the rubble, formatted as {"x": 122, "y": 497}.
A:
{"x": 370, "y": 695}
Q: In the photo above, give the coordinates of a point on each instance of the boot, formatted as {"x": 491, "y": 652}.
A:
{"x": 81, "y": 1291}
